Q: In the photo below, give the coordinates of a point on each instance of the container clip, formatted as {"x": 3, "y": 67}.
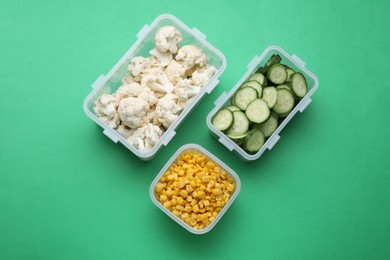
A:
{"x": 168, "y": 137}
{"x": 226, "y": 143}
{"x": 198, "y": 33}
{"x": 253, "y": 63}
{"x": 144, "y": 30}
{"x": 99, "y": 82}
{"x": 110, "y": 134}
{"x": 304, "y": 103}
{"x": 298, "y": 60}
{"x": 272, "y": 141}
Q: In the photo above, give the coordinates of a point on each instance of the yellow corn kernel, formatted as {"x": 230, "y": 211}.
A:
{"x": 194, "y": 216}
{"x": 199, "y": 160}
{"x": 198, "y": 182}
{"x": 211, "y": 218}
{"x": 180, "y": 201}
{"x": 216, "y": 192}
{"x": 174, "y": 201}
{"x": 201, "y": 226}
{"x": 176, "y": 191}
{"x": 193, "y": 183}
{"x": 188, "y": 220}
{"x": 206, "y": 179}
{"x": 181, "y": 172}
{"x": 176, "y": 212}
{"x": 163, "y": 198}
{"x": 169, "y": 192}
{"x": 195, "y": 208}
{"x": 206, "y": 202}
{"x": 167, "y": 204}
{"x": 189, "y": 198}
{"x": 180, "y": 162}
{"x": 201, "y": 194}
{"x": 170, "y": 177}
{"x": 179, "y": 207}
{"x": 189, "y": 188}
{"x": 159, "y": 187}
{"x": 201, "y": 205}
{"x": 193, "y": 222}
{"x": 218, "y": 209}
{"x": 216, "y": 169}
{"x": 183, "y": 193}
{"x": 188, "y": 209}
{"x": 196, "y": 226}
{"x": 211, "y": 183}
{"x": 194, "y": 202}
{"x": 202, "y": 210}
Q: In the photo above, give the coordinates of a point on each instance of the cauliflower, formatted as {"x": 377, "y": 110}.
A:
{"x": 132, "y": 111}
{"x": 157, "y": 81}
{"x": 125, "y": 131}
{"x": 105, "y": 108}
{"x": 167, "y": 39}
{"x": 186, "y": 91}
{"x": 167, "y": 110}
{"x": 131, "y": 90}
{"x": 160, "y": 58}
{"x": 190, "y": 55}
{"x": 152, "y": 117}
{"x": 145, "y": 138}
{"x": 148, "y": 95}
{"x": 128, "y": 79}
{"x": 175, "y": 72}
{"x": 202, "y": 77}
{"x": 137, "y": 66}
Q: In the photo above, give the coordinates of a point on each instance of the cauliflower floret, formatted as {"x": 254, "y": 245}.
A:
{"x": 137, "y": 66}
{"x": 145, "y": 138}
{"x": 148, "y": 95}
{"x": 132, "y": 111}
{"x": 185, "y": 90}
{"x": 125, "y": 131}
{"x": 157, "y": 81}
{"x": 160, "y": 58}
{"x": 131, "y": 90}
{"x": 105, "y": 107}
{"x": 152, "y": 116}
{"x": 167, "y": 39}
{"x": 168, "y": 109}
{"x": 190, "y": 55}
{"x": 202, "y": 77}
{"x": 175, "y": 72}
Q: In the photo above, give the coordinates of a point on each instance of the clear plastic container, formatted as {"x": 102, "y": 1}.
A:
{"x": 292, "y": 61}
{"x": 112, "y": 81}
{"x": 203, "y": 151}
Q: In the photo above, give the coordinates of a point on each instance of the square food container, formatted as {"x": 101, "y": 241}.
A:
{"x": 294, "y": 62}
{"x": 112, "y": 81}
{"x": 211, "y": 157}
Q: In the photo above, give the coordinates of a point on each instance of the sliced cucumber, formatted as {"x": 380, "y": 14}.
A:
{"x": 232, "y": 108}
{"x": 270, "y": 95}
{"x": 269, "y": 126}
{"x": 290, "y": 71}
{"x": 284, "y": 102}
{"x": 259, "y": 77}
{"x": 254, "y": 84}
{"x": 240, "y": 124}
{"x": 223, "y": 119}
{"x": 298, "y": 84}
{"x": 257, "y": 111}
{"x": 277, "y": 74}
{"x": 254, "y": 140}
{"x": 237, "y": 138}
{"x": 244, "y": 96}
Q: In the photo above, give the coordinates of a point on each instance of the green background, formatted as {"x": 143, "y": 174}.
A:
{"x": 68, "y": 192}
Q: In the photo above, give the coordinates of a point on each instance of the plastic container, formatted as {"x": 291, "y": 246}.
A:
{"x": 112, "y": 81}
{"x": 292, "y": 61}
{"x": 203, "y": 151}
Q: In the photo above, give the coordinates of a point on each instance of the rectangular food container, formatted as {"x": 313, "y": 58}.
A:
{"x": 294, "y": 62}
{"x": 210, "y": 156}
{"x": 112, "y": 81}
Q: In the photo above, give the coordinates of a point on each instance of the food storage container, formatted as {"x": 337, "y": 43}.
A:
{"x": 214, "y": 159}
{"x": 292, "y": 61}
{"x": 110, "y": 82}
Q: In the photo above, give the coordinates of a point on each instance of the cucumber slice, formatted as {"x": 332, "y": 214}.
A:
{"x": 270, "y": 95}
{"x": 254, "y": 84}
{"x": 284, "y": 102}
{"x": 254, "y": 140}
{"x": 290, "y": 71}
{"x": 244, "y": 96}
{"x": 237, "y": 138}
{"x": 277, "y": 74}
{"x": 298, "y": 84}
{"x": 257, "y": 111}
{"x": 223, "y": 119}
{"x": 269, "y": 126}
{"x": 240, "y": 124}
{"x": 284, "y": 86}
{"x": 259, "y": 77}
{"x": 232, "y": 108}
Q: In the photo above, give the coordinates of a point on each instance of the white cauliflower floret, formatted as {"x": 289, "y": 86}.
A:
{"x": 160, "y": 58}
{"x": 131, "y": 90}
{"x": 148, "y": 95}
{"x": 137, "y": 66}
{"x": 191, "y": 55}
{"x": 185, "y": 90}
{"x": 168, "y": 109}
{"x": 145, "y": 138}
{"x": 125, "y": 131}
{"x": 202, "y": 77}
{"x": 132, "y": 111}
{"x": 105, "y": 107}
{"x": 175, "y": 72}
{"x": 152, "y": 117}
{"x": 167, "y": 39}
{"x": 157, "y": 81}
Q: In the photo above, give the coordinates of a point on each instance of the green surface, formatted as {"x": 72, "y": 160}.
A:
{"x": 68, "y": 192}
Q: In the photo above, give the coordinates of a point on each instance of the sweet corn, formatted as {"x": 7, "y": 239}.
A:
{"x": 195, "y": 189}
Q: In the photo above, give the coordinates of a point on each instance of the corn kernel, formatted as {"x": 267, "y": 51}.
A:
{"x": 201, "y": 194}
{"x": 167, "y": 204}
{"x": 183, "y": 193}
{"x": 195, "y": 208}
{"x": 163, "y": 198}
{"x": 159, "y": 187}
